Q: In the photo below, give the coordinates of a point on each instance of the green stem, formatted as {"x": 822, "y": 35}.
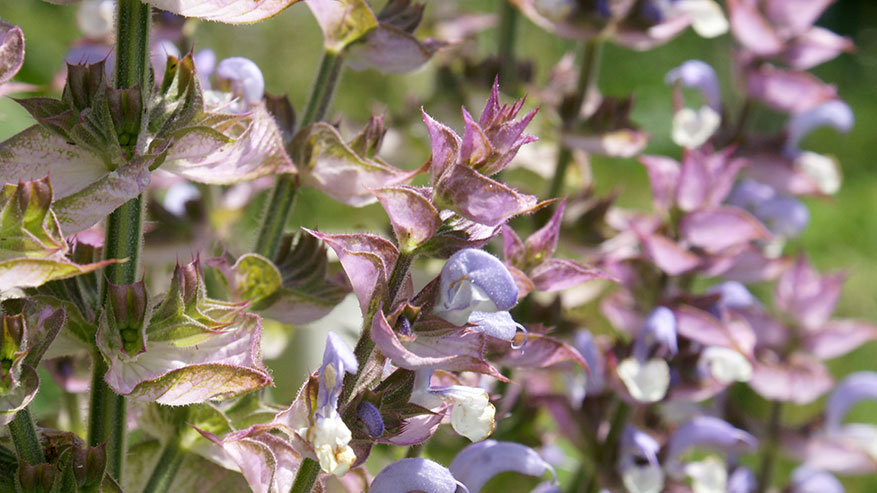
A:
{"x": 508, "y": 24}
{"x": 71, "y": 406}
{"x": 282, "y": 199}
{"x": 414, "y": 451}
{"x": 24, "y": 436}
{"x": 769, "y": 452}
{"x": 166, "y": 468}
{"x": 306, "y": 476}
{"x": 606, "y": 451}
{"x": 569, "y": 113}
{"x": 124, "y": 234}
{"x": 365, "y": 345}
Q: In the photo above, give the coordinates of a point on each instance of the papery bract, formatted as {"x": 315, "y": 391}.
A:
{"x": 32, "y": 250}
{"x": 188, "y": 349}
{"x": 332, "y": 166}
{"x": 231, "y": 12}
{"x": 11, "y": 51}
{"x": 24, "y": 339}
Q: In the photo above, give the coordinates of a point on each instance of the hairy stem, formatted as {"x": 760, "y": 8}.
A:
{"x": 508, "y": 24}
{"x": 166, "y": 468}
{"x": 282, "y": 199}
{"x": 590, "y": 62}
{"x": 24, "y": 436}
{"x": 124, "y": 234}
{"x": 306, "y": 476}
{"x": 769, "y": 451}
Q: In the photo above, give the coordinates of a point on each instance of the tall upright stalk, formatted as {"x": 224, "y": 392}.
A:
{"x": 25, "y": 438}
{"x": 590, "y": 62}
{"x": 770, "y": 447}
{"x": 282, "y": 199}
{"x": 124, "y": 233}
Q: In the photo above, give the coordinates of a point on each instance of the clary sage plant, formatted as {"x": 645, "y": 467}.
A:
{"x": 470, "y": 299}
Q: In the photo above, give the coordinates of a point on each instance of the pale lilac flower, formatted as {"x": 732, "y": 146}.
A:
{"x": 783, "y": 215}
{"x": 699, "y": 75}
{"x": 328, "y": 434}
{"x": 472, "y": 414}
{"x": 479, "y": 462}
{"x": 742, "y": 480}
{"x": 806, "y": 479}
{"x": 638, "y": 462}
{"x": 706, "y": 432}
{"x": 733, "y": 294}
{"x": 834, "y": 113}
{"x": 474, "y": 281}
{"x": 243, "y": 78}
{"x": 415, "y": 474}
{"x": 646, "y": 375}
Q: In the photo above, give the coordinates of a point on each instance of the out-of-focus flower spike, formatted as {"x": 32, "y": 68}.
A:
{"x": 742, "y": 480}
{"x": 835, "y": 113}
{"x": 808, "y": 296}
{"x": 244, "y": 80}
{"x": 853, "y": 389}
{"x": 698, "y": 75}
{"x": 479, "y": 462}
{"x": 707, "y": 432}
{"x": 645, "y": 381}
{"x": 586, "y": 346}
{"x": 659, "y": 328}
{"x": 415, "y": 474}
{"x": 474, "y": 280}
{"x": 205, "y": 65}
{"x": 733, "y": 294}
{"x": 806, "y": 479}
{"x": 707, "y": 18}
{"x": 692, "y": 128}
{"x": 638, "y": 462}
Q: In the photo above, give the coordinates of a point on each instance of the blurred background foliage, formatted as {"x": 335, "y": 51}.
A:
{"x": 842, "y": 234}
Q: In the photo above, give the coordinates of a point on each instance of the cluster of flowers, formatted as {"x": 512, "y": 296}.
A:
{"x": 489, "y": 338}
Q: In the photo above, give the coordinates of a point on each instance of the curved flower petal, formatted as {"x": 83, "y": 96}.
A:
{"x": 342, "y": 22}
{"x": 709, "y": 432}
{"x": 415, "y": 220}
{"x": 809, "y": 480}
{"x": 479, "y": 198}
{"x": 474, "y": 280}
{"x": 698, "y": 75}
{"x": 389, "y": 49}
{"x": 853, "y": 389}
{"x": 479, "y": 462}
{"x": 415, "y": 474}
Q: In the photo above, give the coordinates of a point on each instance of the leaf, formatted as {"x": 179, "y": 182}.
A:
{"x": 415, "y": 220}
{"x": 227, "y": 11}
{"x": 342, "y": 21}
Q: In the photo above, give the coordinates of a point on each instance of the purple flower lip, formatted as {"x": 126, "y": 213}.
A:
{"x": 698, "y": 75}
{"x": 834, "y": 113}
